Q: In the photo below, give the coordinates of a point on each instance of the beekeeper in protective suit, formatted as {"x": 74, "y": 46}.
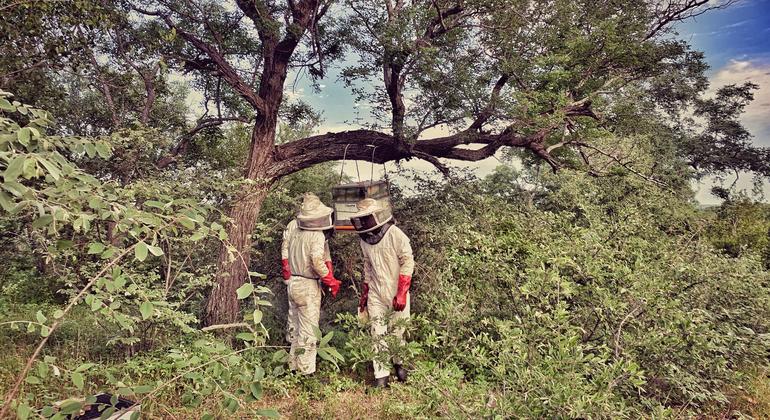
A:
{"x": 388, "y": 267}
{"x": 306, "y": 265}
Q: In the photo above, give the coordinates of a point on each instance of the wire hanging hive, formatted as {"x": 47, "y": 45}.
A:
{"x": 346, "y": 196}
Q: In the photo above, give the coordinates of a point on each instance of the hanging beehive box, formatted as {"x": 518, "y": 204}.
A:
{"x": 345, "y": 197}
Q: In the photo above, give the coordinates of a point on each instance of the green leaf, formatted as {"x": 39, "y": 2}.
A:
{"x": 23, "y": 135}
{"x": 90, "y": 149}
{"x": 34, "y": 380}
{"x": 51, "y": 168}
{"x": 96, "y": 304}
{"x": 96, "y": 248}
{"x": 197, "y": 236}
{"x": 14, "y": 188}
{"x": 40, "y": 317}
{"x": 107, "y": 413}
{"x": 103, "y": 150}
{"x": 257, "y": 275}
{"x": 326, "y": 356}
{"x": 84, "y": 367}
{"x": 23, "y": 410}
{"x": 142, "y": 389}
{"x": 14, "y": 168}
{"x": 257, "y": 316}
{"x": 207, "y": 416}
{"x": 6, "y": 105}
{"x": 335, "y": 353}
{"x": 155, "y": 250}
{"x": 47, "y": 411}
{"x": 58, "y": 314}
{"x": 256, "y": 390}
{"x": 30, "y": 168}
{"x": 44, "y": 331}
{"x": 245, "y": 336}
{"x": 268, "y": 412}
{"x": 70, "y": 407}
{"x": 42, "y": 221}
{"x": 280, "y": 355}
{"x": 146, "y": 309}
{"x": 141, "y": 251}
{"x": 326, "y": 339}
{"x": 78, "y": 380}
{"x": 187, "y": 222}
{"x": 6, "y": 202}
{"x": 245, "y": 290}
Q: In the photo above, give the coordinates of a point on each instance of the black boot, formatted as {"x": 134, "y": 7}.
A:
{"x": 381, "y": 382}
{"x": 401, "y": 373}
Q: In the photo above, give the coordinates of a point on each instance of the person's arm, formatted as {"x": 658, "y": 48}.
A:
{"x": 406, "y": 268}
{"x": 405, "y": 257}
{"x": 285, "y": 269}
{"x": 318, "y": 255}
{"x": 364, "y": 299}
{"x": 328, "y": 257}
{"x": 317, "y": 259}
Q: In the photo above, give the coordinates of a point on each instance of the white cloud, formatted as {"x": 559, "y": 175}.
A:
{"x": 740, "y": 23}
{"x": 757, "y": 114}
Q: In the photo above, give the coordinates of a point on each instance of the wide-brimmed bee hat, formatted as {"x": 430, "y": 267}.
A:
{"x": 314, "y": 215}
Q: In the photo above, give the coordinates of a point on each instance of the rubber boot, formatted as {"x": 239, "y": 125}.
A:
{"x": 381, "y": 382}
{"x": 401, "y": 373}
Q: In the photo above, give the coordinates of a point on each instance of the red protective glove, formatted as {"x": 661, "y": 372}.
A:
{"x": 332, "y": 283}
{"x": 364, "y": 299}
{"x": 329, "y": 266}
{"x": 286, "y": 271}
{"x": 399, "y": 302}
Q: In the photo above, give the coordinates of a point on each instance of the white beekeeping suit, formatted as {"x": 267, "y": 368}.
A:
{"x": 388, "y": 268}
{"x": 306, "y": 253}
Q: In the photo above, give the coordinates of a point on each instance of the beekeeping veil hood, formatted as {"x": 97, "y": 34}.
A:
{"x": 314, "y": 215}
{"x": 370, "y": 215}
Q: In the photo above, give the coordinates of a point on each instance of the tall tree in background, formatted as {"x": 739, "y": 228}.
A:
{"x": 557, "y": 80}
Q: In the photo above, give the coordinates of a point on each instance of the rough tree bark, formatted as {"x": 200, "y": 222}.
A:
{"x": 222, "y": 306}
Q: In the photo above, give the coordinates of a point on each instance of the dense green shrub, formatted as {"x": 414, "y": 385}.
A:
{"x": 603, "y": 299}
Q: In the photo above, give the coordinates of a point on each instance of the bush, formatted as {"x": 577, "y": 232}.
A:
{"x": 604, "y": 299}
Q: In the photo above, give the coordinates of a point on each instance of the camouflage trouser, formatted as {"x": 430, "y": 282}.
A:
{"x": 304, "y": 311}
{"x": 378, "y": 309}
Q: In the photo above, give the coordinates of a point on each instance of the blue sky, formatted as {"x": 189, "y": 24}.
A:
{"x": 735, "y": 40}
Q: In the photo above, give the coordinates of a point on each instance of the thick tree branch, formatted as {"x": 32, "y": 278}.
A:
{"x": 304, "y": 153}
{"x": 225, "y": 69}
{"x": 487, "y": 112}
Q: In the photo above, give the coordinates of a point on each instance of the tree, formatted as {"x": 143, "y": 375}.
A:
{"x": 547, "y": 78}
{"x": 537, "y": 76}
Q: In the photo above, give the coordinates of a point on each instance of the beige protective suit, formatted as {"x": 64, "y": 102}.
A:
{"x": 383, "y": 262}
{"x": 306, "y": 251}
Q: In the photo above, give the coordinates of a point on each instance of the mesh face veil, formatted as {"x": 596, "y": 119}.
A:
{"x": 367, "y": 222}
{"x": 320, "y": 223}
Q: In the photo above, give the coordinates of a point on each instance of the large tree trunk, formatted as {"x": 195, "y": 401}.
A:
{"x": 222, "y": 306}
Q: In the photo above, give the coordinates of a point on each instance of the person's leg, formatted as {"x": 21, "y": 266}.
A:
{"x": 400, "y": 317}
{"x": 377, "y": 314}
{"x": 308, "y": 316}
{"x": 291, "y": 329}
